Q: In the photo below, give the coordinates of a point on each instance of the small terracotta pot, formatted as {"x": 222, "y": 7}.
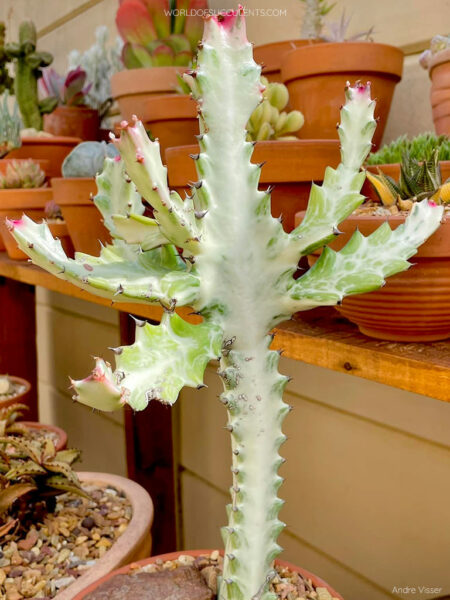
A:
{"x": 132, "y": 87}
{"x": 74, "y": 121}
{"x": 393, "y": 170}
{"x": 13, "y": 204}
{"x": 21, "y": 398}
{"x": 413, "y": 306}
{"x": 61, "y": 444}
{"x": 54, "y": 149}
{"x": 84, "y": 595}
{"x": 291, "y": 166}
{"x": 316, "y": 76}
{"x": 133, "y": 545}
{"x": 172, "y": 118}
{"x": 270, "y": 56}
{"x": 439, "y": 71}
{"x": 84, "y": 221}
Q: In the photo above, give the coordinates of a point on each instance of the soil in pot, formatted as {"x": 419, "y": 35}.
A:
{"x": 52, "y": 148}
{"x": 17, "y": 393}
{"x": 55, "y": 552}
{"x": 132, "y": 87}
{"x": 84, "y": 222}
{"x": 316, "y": 75}
{"x": 193, "y": 574}
{"x": 291, "y": 167}
{"x": 73, "y": 121}
{"x": 413, "y": 306}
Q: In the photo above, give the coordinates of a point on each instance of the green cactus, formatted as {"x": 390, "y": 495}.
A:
{"x": 221, "y": 252}
{"x": 313, "y": 20}
{"x": 6, "y": 81}
{"x": 28, "y": 65}
{"x": 10, "y": 125}
{"x": 23, "y": 174}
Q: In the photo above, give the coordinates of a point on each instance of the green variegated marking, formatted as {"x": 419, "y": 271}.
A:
{"x": 235, "y": 268}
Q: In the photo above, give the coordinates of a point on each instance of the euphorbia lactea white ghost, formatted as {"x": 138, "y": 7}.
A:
{"x": 221, "y": 252}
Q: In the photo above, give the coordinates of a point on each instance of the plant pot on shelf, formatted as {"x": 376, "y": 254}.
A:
{"x": 172, "y": 556}
{"x": 73, "y": 121}
{"x": 20, "y": 393}
{"x": 131, "y": 88}
{"x": 393, "y": 170}
{"x": 291, "y": 167}
{"x": 74, "y": 196}
{"x": 14, "y": 203}
{"x": 316, "y": 75}
{"x": 54, "y": 149}
{"x": 172, "y": 118}
{"x": 439, "y": 71}
{"x": 413, "y": 306}
{"x": 271, "y": 56}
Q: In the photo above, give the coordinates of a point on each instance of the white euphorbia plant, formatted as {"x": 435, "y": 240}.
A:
{"x": 221, "y": 252}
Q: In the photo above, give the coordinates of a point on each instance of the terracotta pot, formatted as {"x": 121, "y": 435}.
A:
{"x": 74, "y": 121}
{"x": 316, "y": 76}
{"x": 131, "y": 88}
{"x": 393, "y": 170}
{"x": 84, "y": 221}
{"x": 439, "y": 71}
{"x": 54, "y": 149}
{"x": 84, "y": 595}
{"x": 172, "y": 118}
{"x": 291, "y": 166}
{"x": 13, "y": 204}
{"x": 133, "y": 545}
{"x": 413, "y": 306}
{"x": 22, "y": 398}
{"x": 270, "y": 56}
{"x": 61, "y": 444}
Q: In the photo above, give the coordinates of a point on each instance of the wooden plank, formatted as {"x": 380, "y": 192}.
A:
{"x": 321, "y": 337}
{"x": 150, "y": 459}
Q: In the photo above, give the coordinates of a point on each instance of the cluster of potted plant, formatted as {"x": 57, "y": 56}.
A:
{"x": 221, "y": 252}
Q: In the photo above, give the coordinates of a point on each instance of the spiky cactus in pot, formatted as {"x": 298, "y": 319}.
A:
{"x": 221, "y": 252}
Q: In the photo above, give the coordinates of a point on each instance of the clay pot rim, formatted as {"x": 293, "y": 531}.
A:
{"x": 317, "y": 581}
{"x": 24, "y": 199}
{"x": 438, "y": 59}
{"x": 357, "y": 56}
{"x": 62, "y": 435}
{"x": 143, "y": 512}
{"x": 133, "y": 82}
{"x": 272, "y": 65}
{"x": 63, "y": 198}
{"x": 57, "y": 140}
{"x": 387, "y": 166}
{"x": 170, "y": 106}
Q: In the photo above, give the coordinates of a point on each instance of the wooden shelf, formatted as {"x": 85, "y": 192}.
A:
{"x": 321, "y": 337}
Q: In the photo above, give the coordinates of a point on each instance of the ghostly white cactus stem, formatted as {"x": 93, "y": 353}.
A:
{"x": 222, "y": 252}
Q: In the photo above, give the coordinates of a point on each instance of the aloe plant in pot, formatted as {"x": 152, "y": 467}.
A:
{"x": 199, "y": 253}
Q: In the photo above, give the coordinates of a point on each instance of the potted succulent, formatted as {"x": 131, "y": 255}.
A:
{"x": 74, "y": 193}
{"x": 161, "y": 39}
{"x": 289, "y": 164}
{"x": 414, "y": 305}
{"x": 437, "y": 61}
{"x": 222, "y": 253}
{"x": 23, "y": 188}
{"x": 28, "y": 69}
{"x": 13, "y": 390}
{"x": 76, "y": 526}
{"x": 318, "y": 71}
{"x": 270, "y": 56}
{"x": 71, "y": 117}
{"x": 422, "y": 148}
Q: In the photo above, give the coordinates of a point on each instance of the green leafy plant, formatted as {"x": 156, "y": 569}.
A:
{"x": 65, "y": 91}
{"x": 438, "y": 44}
{"x": 8, "y": 419}
{"x": 418, "y": 180}
{"x": 28, "y": 69}
{"x": 269, "y": 120}
{"x": 6, "y": 81}
{"x": 10, "y": 125}
{"x": 159, "y": 32}
{"x": 22, "y": 174}
{"x": 221, "y": 252}
{"x": 421, "y": 147}
{"x": 32, "y": 474}
{"x": 313, "y": 18}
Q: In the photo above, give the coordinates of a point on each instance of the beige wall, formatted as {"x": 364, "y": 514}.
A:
{"x": 367, "y": 472}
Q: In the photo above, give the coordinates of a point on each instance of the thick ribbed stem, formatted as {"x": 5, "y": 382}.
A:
{"x": 253, "y": 396}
